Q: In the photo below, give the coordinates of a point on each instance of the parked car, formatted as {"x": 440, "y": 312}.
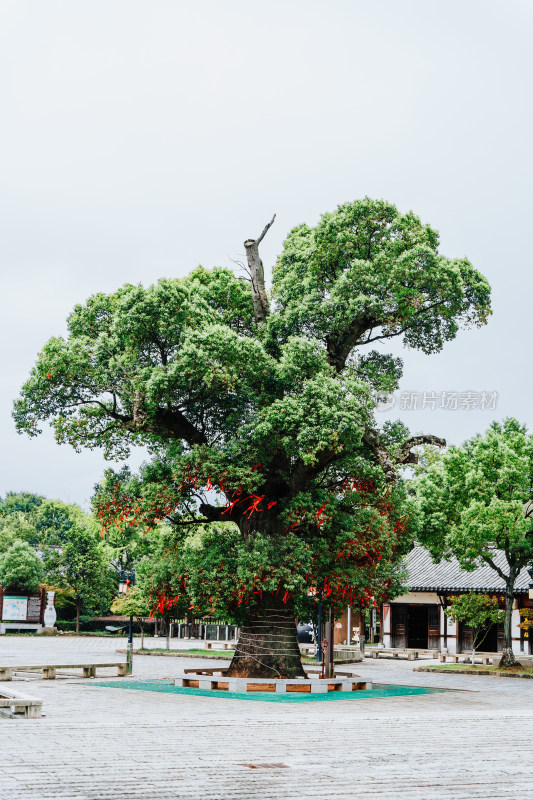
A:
{"x": 305, "y": 633}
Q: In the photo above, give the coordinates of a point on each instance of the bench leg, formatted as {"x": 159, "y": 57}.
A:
{"x": 89, "y": 672}
{"x": 6, "y": 674}
{"x": 32, "y": 712}
{"x": 410, "y": 656}
{"x": 375, "y": 654}
{"x": 121, "y": 671}
{"x": 49, "y": 673}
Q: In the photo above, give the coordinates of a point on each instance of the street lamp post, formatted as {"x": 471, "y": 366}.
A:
{"x": 319, "y": 630}
{"x": 126, "y": 580}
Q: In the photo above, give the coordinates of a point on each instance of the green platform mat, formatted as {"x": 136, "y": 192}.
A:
{"x": 166, "y": 686}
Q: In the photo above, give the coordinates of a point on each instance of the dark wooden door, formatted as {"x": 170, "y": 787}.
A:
{"x": 434, "y": 627}
{"x": 417, "y": 626}
{"x": 499, "y": 645}
{"x": 465, "y": 638}
{"x": 399, "y": 625}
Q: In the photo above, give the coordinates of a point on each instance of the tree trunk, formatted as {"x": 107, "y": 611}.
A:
{"x": 508, "y": 658}
{"x": 257, "y": 275}
{"x": 78, "y": 604}
{"x": 267, "y": 646}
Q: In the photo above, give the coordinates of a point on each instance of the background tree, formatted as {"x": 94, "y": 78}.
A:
{"x": 479, "y": 612}
{"x": 478, "y": 499}
{"x": 82, "y": 566}
{"x": 17, "y": 527}
{"x": 21, "y": 570}
{"x": 261, "y": 412}
{"x": 24, "y": 502}
{"x": 134, "y": 603}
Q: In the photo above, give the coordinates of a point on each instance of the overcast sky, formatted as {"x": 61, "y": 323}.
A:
{"x": 139, "y": 139}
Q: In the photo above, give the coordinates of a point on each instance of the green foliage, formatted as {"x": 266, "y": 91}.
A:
{"x": 16, "y": 502}
{"x": 133, "y": 603}
{"x": 81, "y": 566}
{"x": 479, "y": 497}
{"x": 266, "y": 425}
{"x": 367, "y": 271}
{"x": 478, "y": 611}
{"x": 20, "y": 568}
{"x": 16, "y": 527}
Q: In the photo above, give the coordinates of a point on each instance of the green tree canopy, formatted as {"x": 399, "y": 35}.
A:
{"x": 82, "y": 565}
{"x": 478, "y": 499}
{"x": 16, "y": 527}
{"x": 21, "y": 569}
{"x": 260, "y": 411}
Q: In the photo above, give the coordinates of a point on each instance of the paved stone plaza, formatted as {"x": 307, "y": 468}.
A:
{"x": 100, "y": 743}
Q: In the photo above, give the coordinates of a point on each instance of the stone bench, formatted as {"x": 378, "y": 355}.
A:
{"x": 338, "y": 672}
{"x": 315, "y": 685}
{"x": 22, "y": 626}
{"x": 50, "y": 670}
{"x": 217, "y": 645}
{"x": 383, "y": 651}
{"x": 23, "y": 705}
{"x": 485, "y": 658}
{"x": 207, "y": 670}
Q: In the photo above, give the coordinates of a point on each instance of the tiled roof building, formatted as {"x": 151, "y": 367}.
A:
{"x": 417, "y": 619}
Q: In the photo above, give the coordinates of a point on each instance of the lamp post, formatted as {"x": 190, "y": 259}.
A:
{"x": 127, "y": 579}
{"x": 319, "y": 630}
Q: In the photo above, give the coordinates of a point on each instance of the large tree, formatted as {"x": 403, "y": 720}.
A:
{"x": 476, "y": 504}
{"x": 258, "y": 410}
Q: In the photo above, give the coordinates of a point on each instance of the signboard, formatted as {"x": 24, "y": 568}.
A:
{"x": 15, "y": 609}
{"x": 527, "y": 621}
{"x": 34, "y": 608}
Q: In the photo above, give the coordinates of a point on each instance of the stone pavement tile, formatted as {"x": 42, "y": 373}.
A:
{"x": 112, "y": 744}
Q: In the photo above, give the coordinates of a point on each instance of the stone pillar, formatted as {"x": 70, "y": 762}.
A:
{"x": 515, "y": 630}
{"x": 453, "y": 632}
{"x": 387, "y": 617}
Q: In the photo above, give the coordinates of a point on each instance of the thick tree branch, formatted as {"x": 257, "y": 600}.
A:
{"x": 406, "y": 457}
{"x": 212, "y": 513}
{"x": 303, "y": 473}
{"x": 492, "y": 564}
{"x": 257, "y": 274}
{"x": 387, "y": 462}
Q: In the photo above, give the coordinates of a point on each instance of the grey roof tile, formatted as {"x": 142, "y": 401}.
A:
{"x": 427, "y": 576}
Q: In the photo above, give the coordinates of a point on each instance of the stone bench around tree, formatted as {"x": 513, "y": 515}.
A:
{"x": 50, "y": 670}
{"x": 315, "y": 685}
{"x": 20, "y": 704}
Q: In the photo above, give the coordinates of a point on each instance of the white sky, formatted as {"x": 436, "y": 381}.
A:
{"x": 139, "y": 139}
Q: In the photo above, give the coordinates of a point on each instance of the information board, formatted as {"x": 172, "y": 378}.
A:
{"x": 34, "y": 608}
{"x": 14, "y": 609}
